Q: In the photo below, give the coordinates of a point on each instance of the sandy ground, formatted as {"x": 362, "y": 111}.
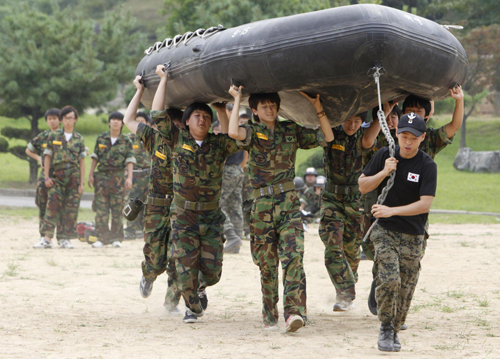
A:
{"x": 85, "y": 303}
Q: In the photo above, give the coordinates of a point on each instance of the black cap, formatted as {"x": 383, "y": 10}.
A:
{"x": 411, "y": 122}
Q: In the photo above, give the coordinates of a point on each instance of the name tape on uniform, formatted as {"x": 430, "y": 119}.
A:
{"x": 135, "y": 147}
{"x": 338, "y": 147}
{"x": 101, "y": 145}
{"x": 56, "y": 142}
{"x": 187, "y": 147}
{"x": 44, "y": 145}
{"x": 262, "y": 136}
{"x": 160, "y": 155}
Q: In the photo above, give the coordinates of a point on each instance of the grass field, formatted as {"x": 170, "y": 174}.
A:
{"x": 456, "y": 190}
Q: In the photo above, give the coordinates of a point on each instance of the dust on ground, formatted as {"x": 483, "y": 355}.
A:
{"x": 85, "y": 303}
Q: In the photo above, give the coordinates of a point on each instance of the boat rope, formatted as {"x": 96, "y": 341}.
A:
{"x": 392, "y": 145}
{"x": 184, "y": 39}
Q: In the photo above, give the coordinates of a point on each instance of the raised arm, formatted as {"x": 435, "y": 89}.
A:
{"x": 133, "y": 106}
{"x": 235, "y": 131}
{"x": 323, "y": 120}
{"x": 458, "y": 113}
{"x": 161, "y": 91}
{"x": 374, "y": 129}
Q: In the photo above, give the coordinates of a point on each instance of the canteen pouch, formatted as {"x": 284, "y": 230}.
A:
{"x": 132, "y": 208}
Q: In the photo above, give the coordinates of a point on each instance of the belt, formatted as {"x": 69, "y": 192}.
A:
{"x": 273, "y": 190}
{"x": 63, "y": 165}
{"x": 341, "y": 189}
{"x": 142, "y": 170}
{"x": 161, "y": 202}
{"x": 195, "y": 206}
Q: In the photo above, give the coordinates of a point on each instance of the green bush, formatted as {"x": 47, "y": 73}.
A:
{"x": 4, "y": 145}
{"x": 314, "y": 160}
{"x": 13, "y": 132}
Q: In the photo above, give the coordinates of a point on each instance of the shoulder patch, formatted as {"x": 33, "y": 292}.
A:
{"x": 338, "y": 147}
{"x": 262, "y": 136}
{"x": 160, "y": 155}
{"x": 187, "y": 147}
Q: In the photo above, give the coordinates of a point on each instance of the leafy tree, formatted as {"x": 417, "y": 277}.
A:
{"x": 58, "y": 59}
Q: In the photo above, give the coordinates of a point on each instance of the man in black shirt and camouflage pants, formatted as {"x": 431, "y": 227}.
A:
{"x": 399, "y": 234}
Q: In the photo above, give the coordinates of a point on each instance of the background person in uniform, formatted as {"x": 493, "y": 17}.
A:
{"x": 35, "y": 150}
{"x": 312, "y": 199}
{"x": 231, "y": 199}
{"x": 310, "y": 176}
{"x": 399, "y": 234}
{"x": 113, "y": 154}
{"x": 157, "y": 230}
{"x": 64, "y": 171}
{"x": 276, "y": 225}
{"x": 197, "y": 221}
{"x": 141, "y": 177}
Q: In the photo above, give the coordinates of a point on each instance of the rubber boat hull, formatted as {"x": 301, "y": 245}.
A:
{"x": 329, "y": 52}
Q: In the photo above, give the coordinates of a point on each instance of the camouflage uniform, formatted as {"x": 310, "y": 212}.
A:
{"x": 196, "y": 219}
{"x": 275, "y": 223}
{"x": 38, "y": 145}
{"x": 231, "y": 200}
{"x": 109, "y": 185}
{"x": 247, "y": 196}
{"x": 141, "y": 178}
{"x": 313, "y": 203}
{"x": 340, "y": 227}
{"x": 63, "y": 199}
{"x": 398, "y": 259}
{"x": 157, "y": 231}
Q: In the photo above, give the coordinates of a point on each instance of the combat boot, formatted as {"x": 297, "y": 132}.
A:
{"x": 397, "y": 343}
{"x": 233, "y": 241}
{"x": 145, "y": 287}
{"x": 386, "y": 338}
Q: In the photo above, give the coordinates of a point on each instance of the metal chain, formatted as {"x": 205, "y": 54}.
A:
{"x": 392, "y": 147}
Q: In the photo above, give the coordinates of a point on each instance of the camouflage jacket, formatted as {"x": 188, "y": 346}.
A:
{"x": 142, "y": 156}
{"x": 197, "y": 170}
{"x": 343, "y": 157}
{"x": 65, "y": 152}
{"x": 381, "y": 142}
{"x": 38, "y": 145}
{"x": 161, "y": 177}
{"x": 435, "y": 140}
{"x": 271, "y": 154}
{"x": 312, "y": 201}
{"x": 112, "y": 157}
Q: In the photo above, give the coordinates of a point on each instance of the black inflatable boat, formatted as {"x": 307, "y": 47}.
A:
{"x": 329, "y": 52}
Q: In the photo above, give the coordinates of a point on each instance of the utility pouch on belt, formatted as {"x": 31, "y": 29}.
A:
{"x": 132, "y": 208}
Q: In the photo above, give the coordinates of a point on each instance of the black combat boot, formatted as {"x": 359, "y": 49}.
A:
{"x": 386, "y": 338}
{"x": 397, "y": 343}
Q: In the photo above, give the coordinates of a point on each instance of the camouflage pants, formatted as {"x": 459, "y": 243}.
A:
{"x": 41, "y": 202}
{"x": 197, "y": 246}
{"x": 398, "y": 260}
{"x": 139, "y": 190}
{"x": 157, "y": 246}
{"x": 340, "y": 231}
{"x": 278, "y": 236}
{"x": 247, "y": 196}
{"x": 231, "y": 199}
{"x": 109, "y": 198}
{"x": 63, "y": 202}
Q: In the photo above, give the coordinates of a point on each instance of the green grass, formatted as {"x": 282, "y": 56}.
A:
{"x": 84, "y": 214}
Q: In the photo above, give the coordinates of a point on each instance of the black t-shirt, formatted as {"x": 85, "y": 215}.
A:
{"x": 235, "y": 158}
{"x": 415, "y": 177}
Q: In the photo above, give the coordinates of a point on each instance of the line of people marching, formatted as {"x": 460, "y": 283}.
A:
{"x": 186, "y": 211}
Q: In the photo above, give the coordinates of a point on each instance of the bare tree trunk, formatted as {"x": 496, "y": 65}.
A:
{"x": 463, "y": 129}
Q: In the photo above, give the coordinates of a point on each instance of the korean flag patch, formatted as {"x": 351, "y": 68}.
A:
{"x": 413, "y": 177}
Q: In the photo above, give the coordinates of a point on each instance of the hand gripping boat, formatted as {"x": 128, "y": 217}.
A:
{"x": 331, "y": 52}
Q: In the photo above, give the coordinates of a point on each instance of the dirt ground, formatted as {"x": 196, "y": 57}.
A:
{"x": 85, "y": 303}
